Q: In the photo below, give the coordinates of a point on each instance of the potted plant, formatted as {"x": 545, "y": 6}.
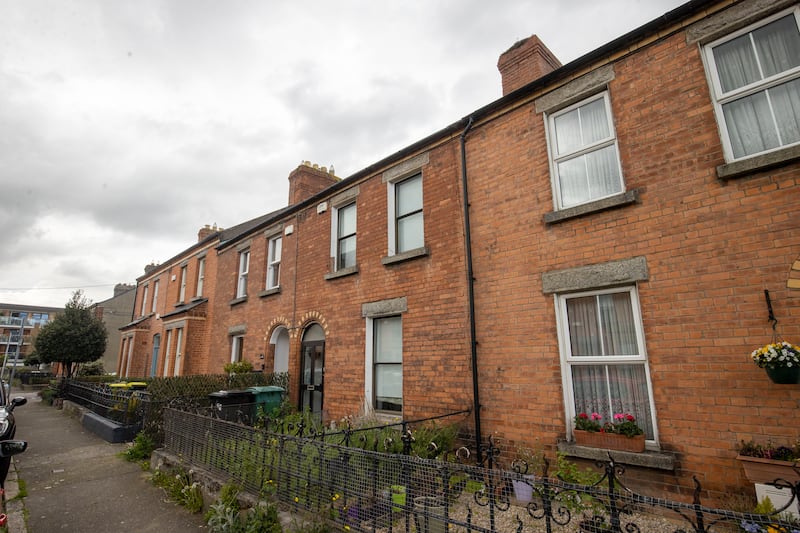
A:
{"x": 765, "y": 463}
{"x": 528, "y": 462}
{"x": 780, "y": 360}
{"x": 622, "y": 434}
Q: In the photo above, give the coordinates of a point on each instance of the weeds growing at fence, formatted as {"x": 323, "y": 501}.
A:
{"x": 226, "y": 515}
{"x": 180, "y": 487}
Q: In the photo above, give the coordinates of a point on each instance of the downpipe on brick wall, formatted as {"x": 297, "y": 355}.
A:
{"x": 471, "y": 292}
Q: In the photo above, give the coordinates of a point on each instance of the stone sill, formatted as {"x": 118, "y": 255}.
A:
{"x": 342, "y": 272}
{"x": 618, "y": 200}
{"x": 269, "y": 292}
{"x": 758, "y": 163}
{"x": 646, "y": 459}
{"x": 405, "y": 256}
{"x": 237, "y": 301}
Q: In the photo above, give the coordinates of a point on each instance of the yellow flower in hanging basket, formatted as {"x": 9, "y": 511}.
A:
{"x": 777, "y": 355}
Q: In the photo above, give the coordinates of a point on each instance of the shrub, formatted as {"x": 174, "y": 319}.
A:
{"x": 239, "y": 367}
{"x": 141, "y": 448}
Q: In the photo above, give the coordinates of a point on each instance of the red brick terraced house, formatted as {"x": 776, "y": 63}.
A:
{"x": 598, "y": 239}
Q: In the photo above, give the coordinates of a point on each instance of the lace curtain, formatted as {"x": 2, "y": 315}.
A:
{"x": 769, "y": 118}
{"x": 595, "y": 173}
{"x": 603, "y": 326}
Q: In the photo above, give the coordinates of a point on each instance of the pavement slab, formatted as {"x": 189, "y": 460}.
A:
{"x": 76, "y": 481}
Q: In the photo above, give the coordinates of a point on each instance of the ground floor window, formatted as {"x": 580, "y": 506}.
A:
{"x": 237, "y": 348}
{"x": 603, "y": 356}
{"x": 388, "y": 363}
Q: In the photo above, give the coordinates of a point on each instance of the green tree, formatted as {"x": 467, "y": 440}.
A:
{"x": 74, "y": 337}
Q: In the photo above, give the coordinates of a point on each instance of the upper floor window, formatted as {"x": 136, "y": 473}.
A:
{"x": 755, "y": 78}
{"x": 182, "y": 289}
{"x": 603, "y": 357}
{"x": 154, "y": 308}
{"x": 274, "y": 248}
{"x": 144, "y": 299}
{"x": 201, "y": 275}
{"x": 39, "y": 319}
{"x": 244, "y": 268}
{"x": 583, "y": 152}
{"x": 407, "y": 230}
{"x": 345, "y": 220}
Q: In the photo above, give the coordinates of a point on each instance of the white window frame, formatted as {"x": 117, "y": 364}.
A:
{"x": 567, "y": 359}
{"x": 369, "y": 367}
{"x": 167, "y": 349}
{"x": 244, "y": 268}
{"x": 555, "y": 158}
{"x": 201, "y": 274}
{"x": 720, "y": 98}
{"x": 237, "y": 348}
{"x": 182, "y": 290}
{"x": 336, "y": 237}
{"x": 130, "y": 357}
{"x": 274, "y": 252}
{"x": 154, "y": 308}
{"x": 144, "y": 299}
{"x": 177, "y": 368}
{"x": 392, "y": 211}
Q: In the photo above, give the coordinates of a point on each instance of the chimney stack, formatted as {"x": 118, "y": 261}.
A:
{"x": 122, "y": 288}
{"x": 307, "y": 180}
{"x": 207, "y": 230}
{"x": 528, "y": 60}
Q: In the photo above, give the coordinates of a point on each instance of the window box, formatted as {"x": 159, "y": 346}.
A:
{"x": 609, "y": 441}
{"x": 759, "y": 470}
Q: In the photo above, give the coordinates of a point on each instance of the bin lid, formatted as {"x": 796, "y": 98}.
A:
{"x": 137, "y": 384}
{"x": 119, "y": 385}
{"x": 230, "y": 393}
{"x": 267, "y": 388}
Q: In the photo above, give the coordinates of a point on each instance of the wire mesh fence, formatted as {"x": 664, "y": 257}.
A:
{"x": 369, "y": 490}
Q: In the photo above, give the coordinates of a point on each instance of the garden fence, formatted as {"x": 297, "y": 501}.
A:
{"x": 368, "y": 490}
{"x": 121, "y": 406}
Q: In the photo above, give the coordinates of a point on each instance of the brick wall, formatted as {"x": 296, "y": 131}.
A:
{"x": 435, "y": 351}
{"x": 711, "y": 248}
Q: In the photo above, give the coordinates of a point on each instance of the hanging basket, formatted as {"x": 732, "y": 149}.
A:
{"x": 784, "y": 375}
{"x": 609, "y": 441}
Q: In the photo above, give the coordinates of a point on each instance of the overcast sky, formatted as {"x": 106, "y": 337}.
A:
{"x": 125, "y": 126}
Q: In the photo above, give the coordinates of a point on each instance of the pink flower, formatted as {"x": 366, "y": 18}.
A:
{"x": 596, "y": 416}
{"x": 619, "y": 416}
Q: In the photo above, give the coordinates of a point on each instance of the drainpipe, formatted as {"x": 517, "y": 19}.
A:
{"x": 471, "y": 293}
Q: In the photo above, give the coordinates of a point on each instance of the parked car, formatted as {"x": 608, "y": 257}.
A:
{"x": 8, "y": 428}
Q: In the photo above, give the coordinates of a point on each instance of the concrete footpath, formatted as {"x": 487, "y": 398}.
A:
{"x": 75, "y": 481}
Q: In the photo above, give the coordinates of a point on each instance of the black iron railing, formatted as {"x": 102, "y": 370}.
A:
{"x": 368, "y": 490}
{"x": 121, "y": 406}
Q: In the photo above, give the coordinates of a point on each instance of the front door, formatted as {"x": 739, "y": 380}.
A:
{"x": 312, "y": 376}
{"x": 156, "y": 348}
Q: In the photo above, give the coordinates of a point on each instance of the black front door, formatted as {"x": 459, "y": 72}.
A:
{"x": 312, "y": 376}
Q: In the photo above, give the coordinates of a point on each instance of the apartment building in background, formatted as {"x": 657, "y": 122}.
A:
{"x": 600, "y": 238}
{"x": 19, "y": 326}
